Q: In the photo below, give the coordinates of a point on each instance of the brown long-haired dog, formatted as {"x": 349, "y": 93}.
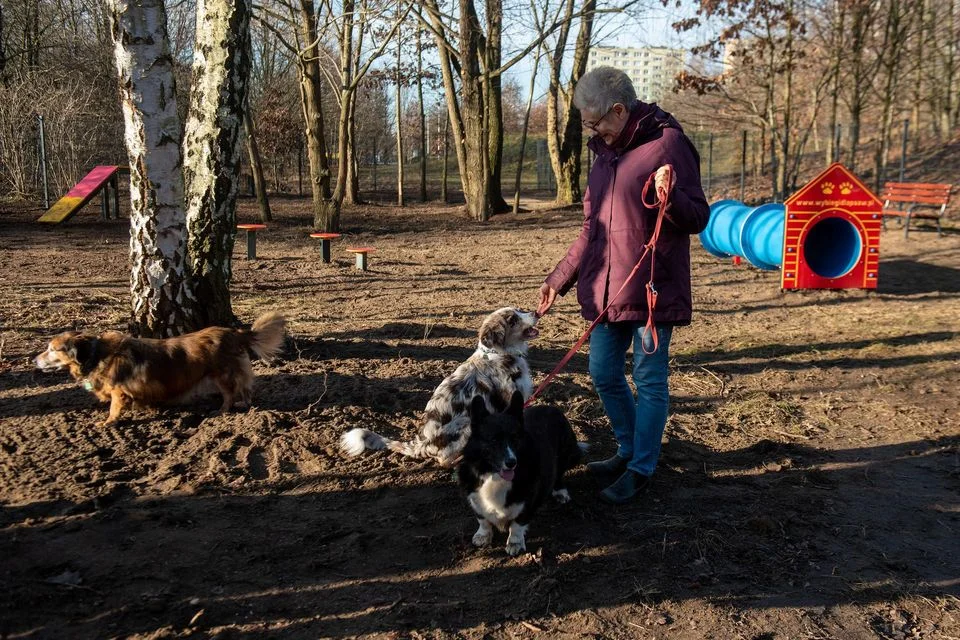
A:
{"x": 123, "y": 369}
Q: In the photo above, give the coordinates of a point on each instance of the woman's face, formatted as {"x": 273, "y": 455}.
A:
{"x": 606, "y": 125}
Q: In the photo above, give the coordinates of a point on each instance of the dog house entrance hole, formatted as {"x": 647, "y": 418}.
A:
{"x": 833, "y": 247}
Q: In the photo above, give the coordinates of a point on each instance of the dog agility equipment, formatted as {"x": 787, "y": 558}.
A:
{"x": 826, "y": 235}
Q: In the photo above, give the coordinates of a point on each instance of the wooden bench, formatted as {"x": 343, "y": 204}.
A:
{"x": 251, "y": 230}
{"x": 908, "y": 196}
{"x": 361, "y": 253}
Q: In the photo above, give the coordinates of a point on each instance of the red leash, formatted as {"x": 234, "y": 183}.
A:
{"x": 661, "y": 202}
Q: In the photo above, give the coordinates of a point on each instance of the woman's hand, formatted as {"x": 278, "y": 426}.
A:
{"x": 664, "y": 180}
{"x": 547, "y": 295}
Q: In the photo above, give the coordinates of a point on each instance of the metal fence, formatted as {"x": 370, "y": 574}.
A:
{"x": 741, "y": 165}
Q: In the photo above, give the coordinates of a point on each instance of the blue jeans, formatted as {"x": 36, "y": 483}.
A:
{"x": 637, "y": 422}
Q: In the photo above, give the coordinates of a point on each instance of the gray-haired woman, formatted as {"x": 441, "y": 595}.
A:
{"x": 632, "y": 141}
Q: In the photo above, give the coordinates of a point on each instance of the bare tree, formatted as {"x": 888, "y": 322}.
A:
{"x": 423, "y": 116}
{"x": 523, "y": 135}
{"x": 471, "y": 65}
{"x": 945, "y": 68}
{"x": 399, "y": 131}
{"x": 256, "y": 166}
{"x": 300, "y": 16}
{"x": 897, "y": 29}
{"x": 350, "y": 26}
{"x": 3, "y": 52}
{"x": 163, "y": 301}
{"x": 834, "y": 46}
{"x": 564, "y": 128}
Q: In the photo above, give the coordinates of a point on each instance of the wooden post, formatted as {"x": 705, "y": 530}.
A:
{"x": 116, "y": 195}
{"x": 105, "y": 201}
{"x": 743, "y": 163}
{"x": 709, "y": 164}
{"x": 836, "y": 143}
{"x": 903, "y": 148}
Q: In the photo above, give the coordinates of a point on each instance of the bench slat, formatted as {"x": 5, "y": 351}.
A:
{"x": 944, "y": 190}
{"x": 904, "y": 193}
{"x": 919, "y": 199}
{"x": 913, "y": 214}
{"x": 924, "y": 185}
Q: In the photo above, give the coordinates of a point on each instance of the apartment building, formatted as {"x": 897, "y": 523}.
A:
{"x": 651, "y": 69}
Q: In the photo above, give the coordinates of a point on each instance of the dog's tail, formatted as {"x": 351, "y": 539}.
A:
{"x": 356, "y": 441}
{"x": 267, "y": 335}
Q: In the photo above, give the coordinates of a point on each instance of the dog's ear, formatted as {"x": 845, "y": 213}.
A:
{"x": 493, "y": 331}
{"x": 515, "y": 409}
{"x": 84, "y": 350}
{"x": 478, "y": 410}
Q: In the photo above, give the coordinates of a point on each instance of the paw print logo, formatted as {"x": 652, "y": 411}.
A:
{"x": 846, "y": 188}
{"x": 826, "y": 188}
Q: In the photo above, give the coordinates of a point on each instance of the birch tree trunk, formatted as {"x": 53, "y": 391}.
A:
{"x": 212, "y": 150}
{"x": 163, "y": 303}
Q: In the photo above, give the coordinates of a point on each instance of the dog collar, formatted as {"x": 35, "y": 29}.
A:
{"x": 487, "y": 352}
{"x": 86, "y": 384}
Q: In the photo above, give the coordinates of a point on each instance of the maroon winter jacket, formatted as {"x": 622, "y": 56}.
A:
{"x": 616, "y": 225}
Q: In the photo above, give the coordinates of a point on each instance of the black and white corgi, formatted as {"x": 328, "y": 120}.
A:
{"x": 512, "y": 462}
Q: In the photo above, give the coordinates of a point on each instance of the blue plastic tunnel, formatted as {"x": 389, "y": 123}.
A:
{"x": 832, "y": 247}
{"x": 754, "y": 233}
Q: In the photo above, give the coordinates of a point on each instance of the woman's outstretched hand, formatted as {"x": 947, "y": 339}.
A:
{"x": 547, "y": 295}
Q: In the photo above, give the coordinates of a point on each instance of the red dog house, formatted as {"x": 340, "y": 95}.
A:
{"x": 831, "y": 235}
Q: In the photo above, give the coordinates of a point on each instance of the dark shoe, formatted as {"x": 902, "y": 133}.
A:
{"x": 611, "y": 466}
{"x": 626, "y": 487}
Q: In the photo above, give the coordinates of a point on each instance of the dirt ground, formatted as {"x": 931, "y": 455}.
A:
{"x": 808, "y": 486}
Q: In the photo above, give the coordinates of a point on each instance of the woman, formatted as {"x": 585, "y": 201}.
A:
{"x": 632, "y": 141}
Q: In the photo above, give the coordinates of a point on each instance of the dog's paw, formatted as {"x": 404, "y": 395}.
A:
{"x": 515, "y": 548}
{"x": 562, "y": 496}
{"x": 482, "y": 538}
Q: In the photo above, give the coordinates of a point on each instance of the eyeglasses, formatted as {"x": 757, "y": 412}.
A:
{"x": 592, "y": 126}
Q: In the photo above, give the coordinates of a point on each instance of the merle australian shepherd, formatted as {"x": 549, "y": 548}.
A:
{"x": 495, "y": 370}
{"x": 512, "y": 463}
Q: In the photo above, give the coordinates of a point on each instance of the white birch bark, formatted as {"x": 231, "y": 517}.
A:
{"x": 162, "y": 299}
{"x": 212, "y": 149}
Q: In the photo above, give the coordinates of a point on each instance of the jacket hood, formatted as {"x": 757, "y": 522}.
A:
{"x": 644, "y": 121}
